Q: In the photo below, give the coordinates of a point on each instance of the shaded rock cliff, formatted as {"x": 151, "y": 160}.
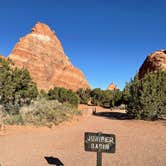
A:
{"x": 42, "y": 54}
{"x": 153, "y": 62}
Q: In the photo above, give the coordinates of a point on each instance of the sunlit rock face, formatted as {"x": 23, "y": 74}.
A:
{"x": 153, "y": 62}
{"x": 42, "y": 54}
{"x": 112, "y": 87}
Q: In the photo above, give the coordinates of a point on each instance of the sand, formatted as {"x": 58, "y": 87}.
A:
{"x": 138, "y": 143}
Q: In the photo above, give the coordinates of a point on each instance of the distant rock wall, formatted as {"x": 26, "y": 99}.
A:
{"x": 153, "y": 62}
{"x": 42, "y": 54}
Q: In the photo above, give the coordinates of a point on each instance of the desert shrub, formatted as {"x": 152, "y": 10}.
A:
{"x": 42, "y": 94}
{"x": 106, "y": 98}
{"x": 63, "y": 95}
{"x": 16, "y": 86}
{"x": 147, "y": 97}
{"x": 96, "y": 96}
{"x": 84, "y": 95}
{"x": 126, "y": 93}
{"x": 15, "y": 119}
{"x": 116, "y": 99}
{"x": 47, "y": 112}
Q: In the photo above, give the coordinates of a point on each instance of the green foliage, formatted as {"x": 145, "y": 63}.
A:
{"x": 116, "y": 99}
{"x": 16, "y": 86}
{"x": 96, "y": 96}
{"x": 42, "y": 94}
{"x": 106, "y": 98}
{"x": 84, "y": 95}
{"x": 126, "y": 93}
{"x": 147, "y": 97}
{"x": 63, "y": 95}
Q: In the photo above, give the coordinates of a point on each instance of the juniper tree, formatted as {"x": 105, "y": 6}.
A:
{"x": 148, "y": 96}
{"x": 16, "y": 86}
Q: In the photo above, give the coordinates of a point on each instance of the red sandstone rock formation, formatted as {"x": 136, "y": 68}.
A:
{"x": 42, "y": 54}
{"x": 112, "y": 87}
{"x": 153, "y": 62}
{"x": 1, "y": 56}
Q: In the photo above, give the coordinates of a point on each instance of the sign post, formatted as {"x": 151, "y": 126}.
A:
{"x": 100, "y": 143}
{"x": 99, "y": 158}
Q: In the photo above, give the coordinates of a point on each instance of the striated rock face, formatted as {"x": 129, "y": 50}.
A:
{"x": 42, "y": 54}
{"x": 112, "y": 87}
{"x": 153, "y": 62}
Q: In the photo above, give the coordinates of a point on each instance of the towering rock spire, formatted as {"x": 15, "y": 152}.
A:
{"x": 42, "y": 54}
{"x": 112, "y": 87}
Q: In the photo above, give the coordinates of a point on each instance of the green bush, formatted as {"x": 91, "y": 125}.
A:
{"x": 96, "y": 96}
{"x": 16, "y": 86}
{"x": 63, "y": 95}
{"x": 106, "y": 98}
{"x": 84, "y": 95}
{"x": 42, "y": 94}
{"x": 147, "y": 97}
{"x": 116, "y": 99}
{"x": 126, "y": 93}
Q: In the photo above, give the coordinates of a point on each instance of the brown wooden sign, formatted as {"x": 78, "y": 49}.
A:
{"x": 99, "y": 142}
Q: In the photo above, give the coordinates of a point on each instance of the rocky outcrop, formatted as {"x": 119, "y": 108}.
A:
{"x": 153, "y": 62}
{"x": 1, "y": 56}
{"x": 42, "y": 54}
{"x": 112, "y": 87}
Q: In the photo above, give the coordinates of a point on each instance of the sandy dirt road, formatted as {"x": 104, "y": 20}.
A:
{"x": 139, "y": 143}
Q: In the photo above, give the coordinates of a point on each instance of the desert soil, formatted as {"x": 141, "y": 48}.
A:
{"x": 138, "y": 143}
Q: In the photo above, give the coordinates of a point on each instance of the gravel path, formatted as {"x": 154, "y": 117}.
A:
{"x": 139, "y": 143}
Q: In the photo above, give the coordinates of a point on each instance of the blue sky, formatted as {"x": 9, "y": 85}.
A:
{"x": 107, "y": 39}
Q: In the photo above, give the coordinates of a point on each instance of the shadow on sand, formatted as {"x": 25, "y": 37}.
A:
{"x": 122, "y": 116}
{"x": 112, "y": 115}
{"x": 53, "y": 161}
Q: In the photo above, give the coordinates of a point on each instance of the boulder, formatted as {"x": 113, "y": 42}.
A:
{"x": 153, "y": 62}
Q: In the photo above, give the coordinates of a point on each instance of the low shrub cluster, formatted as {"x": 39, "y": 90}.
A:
{"x": 99, "y": 97}
{"x": 63, "y": 95}
{"x": 84, "y": 95}
{"x": 43, "y": 112}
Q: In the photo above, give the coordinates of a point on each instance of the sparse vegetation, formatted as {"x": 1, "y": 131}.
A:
{"x": 43, "y": 112}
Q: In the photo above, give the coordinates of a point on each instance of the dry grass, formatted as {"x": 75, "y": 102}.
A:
{"x": 43, "y": 112}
